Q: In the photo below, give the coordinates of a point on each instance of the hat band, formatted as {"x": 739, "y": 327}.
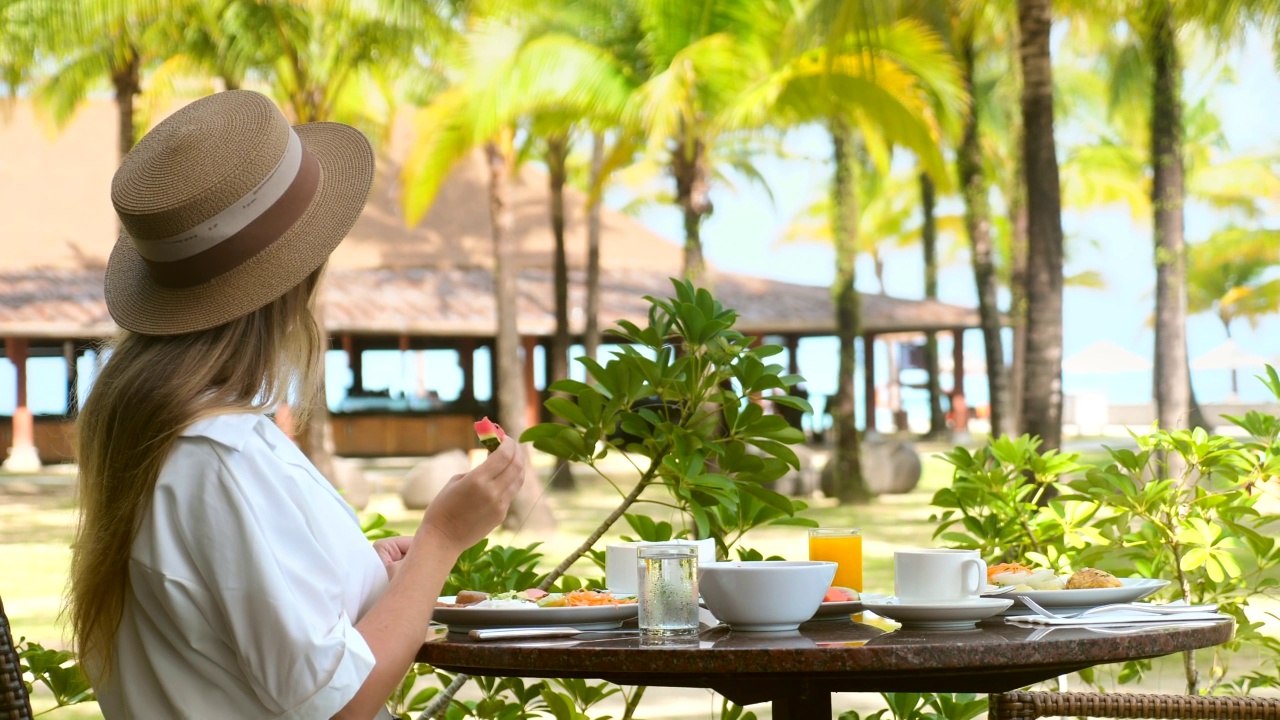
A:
{"x": 262, "y": 228}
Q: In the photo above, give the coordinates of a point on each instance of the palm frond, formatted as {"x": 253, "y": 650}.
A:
{"x": 444, "y": 134}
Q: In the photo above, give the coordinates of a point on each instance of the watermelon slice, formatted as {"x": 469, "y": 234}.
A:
{"x": 490, "y": 434}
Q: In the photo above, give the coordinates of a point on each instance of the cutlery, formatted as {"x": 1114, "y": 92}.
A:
{"x": 1155, "y": 609}
{"x": 520, "y": 633}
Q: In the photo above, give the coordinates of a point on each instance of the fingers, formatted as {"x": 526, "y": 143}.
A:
{"x": 474, "y": 503}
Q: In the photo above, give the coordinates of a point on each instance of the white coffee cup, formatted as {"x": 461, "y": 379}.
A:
{"x": 621, "y": 562}
{"x": 938, "y": 576}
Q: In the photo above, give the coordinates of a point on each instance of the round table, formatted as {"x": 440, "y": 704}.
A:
{"x": 798, "y": 671}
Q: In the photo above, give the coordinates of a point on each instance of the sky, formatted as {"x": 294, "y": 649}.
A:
{"x": 742, "y": 236}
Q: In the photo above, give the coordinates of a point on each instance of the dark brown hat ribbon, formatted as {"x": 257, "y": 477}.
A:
{"x": 242, "y": 230}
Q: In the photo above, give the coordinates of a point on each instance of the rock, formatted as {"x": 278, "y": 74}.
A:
{"x": 427, "y": 478}
{"x": 890, "y": 467}
{"x": 349, "y": 479}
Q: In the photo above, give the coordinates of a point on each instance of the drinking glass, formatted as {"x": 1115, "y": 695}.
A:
{"x": 842, "y": 546}
{"x": 668, "y": 590}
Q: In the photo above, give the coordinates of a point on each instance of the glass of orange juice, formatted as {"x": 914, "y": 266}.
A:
{"x": 842, "y": 546}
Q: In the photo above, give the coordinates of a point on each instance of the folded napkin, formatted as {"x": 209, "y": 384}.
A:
{"x": 1127, "y": 616}
{"x": 1041, "y": 631}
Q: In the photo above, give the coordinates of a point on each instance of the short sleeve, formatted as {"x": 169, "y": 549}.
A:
{"x": 250, "y": 531}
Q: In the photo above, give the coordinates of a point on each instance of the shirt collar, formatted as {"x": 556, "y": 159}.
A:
{"x": 230, "y": 429}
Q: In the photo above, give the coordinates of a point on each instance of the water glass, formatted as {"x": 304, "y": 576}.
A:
{"x": 668, "y": 590}
{"x": 843, "y": 546}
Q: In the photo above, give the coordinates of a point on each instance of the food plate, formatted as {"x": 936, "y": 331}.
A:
{"x": 1080, "y": 600}
{"x": 596, "y": 617}
{"x": 938, "y": 616}
{"x": 837, "y": 610}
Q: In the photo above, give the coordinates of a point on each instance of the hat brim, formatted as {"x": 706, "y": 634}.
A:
{"x": 139, "y": 305}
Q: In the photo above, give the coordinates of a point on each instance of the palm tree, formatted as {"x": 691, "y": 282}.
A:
{"x": 1152, "y": 53}
{"x": 322, "y": 60}
{"x": 1117, "y": 169}
{"x": 700, "y": 57}
{"x": 1042, "y": 389}
{"x": 96, "y": 41}
{"x": 18, "y": 34}
{"x": 874, "y": 88}
{"x": 1229, "y": 275}
{"x": 888, "y": 217}
{"x": 966, "y": 20}
{"x": 508, "y": 72}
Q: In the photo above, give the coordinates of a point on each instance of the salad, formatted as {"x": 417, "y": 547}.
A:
{"x": 1024, "y": 578}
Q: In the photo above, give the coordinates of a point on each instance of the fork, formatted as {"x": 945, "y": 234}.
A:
{"x": 1156, "y": 609}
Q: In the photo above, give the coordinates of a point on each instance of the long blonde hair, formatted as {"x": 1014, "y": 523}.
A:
{"x": 151, "y": 389}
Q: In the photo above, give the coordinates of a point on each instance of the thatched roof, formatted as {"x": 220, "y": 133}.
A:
{"x": 385, "y": 279}
{"x": 458, "y": 302}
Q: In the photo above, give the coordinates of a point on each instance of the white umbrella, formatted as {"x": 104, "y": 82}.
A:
{"x": 1105, "y": 356}
{"x": 1228, "y": 356}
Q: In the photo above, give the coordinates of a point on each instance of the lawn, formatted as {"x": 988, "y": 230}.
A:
{"x": 37, "y": 520}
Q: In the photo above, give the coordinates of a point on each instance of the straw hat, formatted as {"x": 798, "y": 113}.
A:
{"x": 225, "y": 208}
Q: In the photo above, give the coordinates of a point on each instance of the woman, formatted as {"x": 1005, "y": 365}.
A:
{"x": 215, "y": 572}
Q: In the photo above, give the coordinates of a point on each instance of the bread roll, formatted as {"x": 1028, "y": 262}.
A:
{"x": 1090, "y": 578}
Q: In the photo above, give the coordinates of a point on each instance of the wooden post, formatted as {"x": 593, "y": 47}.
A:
{"x": 23, "y": 456}
{"x": 959, "y": 410}
{"x": 467, "y": 363}
{"x": 869, "y": 380}
{"x": 793, "y": 350}
{"x": 493, "y": 374}
{"x": 355, "y": 361}
{"x": 532, "y": 404}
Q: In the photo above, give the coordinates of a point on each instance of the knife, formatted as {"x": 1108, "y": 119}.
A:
{"x": 520, "y": 633}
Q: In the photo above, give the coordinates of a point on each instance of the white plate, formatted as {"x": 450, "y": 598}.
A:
{"x": 837, "y": 610}
{"x": 465, "y": 619}
{"x": 1068, "y": 600}
{"x": 948, "y": 616}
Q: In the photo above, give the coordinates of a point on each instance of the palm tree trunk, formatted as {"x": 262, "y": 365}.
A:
{"x": 929, "y": 240}
{"x": 510, "y": 390}
{"x": 1016, "y": 211}
{"x": 1017, "y": 301}
{"x": 558, "y": 359}
{"x": 127, "y": 83}
{"x": 1173, "y": 378}
{"x": 850, "y": 485}
{"x": 1042, "y": 391}
{"x": 689, "y": 166}
{"x": 977, "y": 221}
{"x": 591, "y": 335}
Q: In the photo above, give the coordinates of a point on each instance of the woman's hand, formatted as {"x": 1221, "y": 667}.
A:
{"x": 391, "y": 551}
{"x": 471, "y": 505}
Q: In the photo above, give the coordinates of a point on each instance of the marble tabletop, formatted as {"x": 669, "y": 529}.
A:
{"x": 824, "y": 657}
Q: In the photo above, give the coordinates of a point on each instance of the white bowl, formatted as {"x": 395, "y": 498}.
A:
{"x": 765, "y": 595}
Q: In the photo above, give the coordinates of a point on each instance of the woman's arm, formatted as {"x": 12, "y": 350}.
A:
{"x": 464, "y": 512}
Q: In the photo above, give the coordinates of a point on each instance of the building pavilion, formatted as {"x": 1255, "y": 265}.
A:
{"x": 389, "y": 287}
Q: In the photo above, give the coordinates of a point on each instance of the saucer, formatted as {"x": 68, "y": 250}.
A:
{"x": 961, "y": 615}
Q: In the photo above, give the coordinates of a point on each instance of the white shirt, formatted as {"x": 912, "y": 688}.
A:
{"x": 245, "y": 581}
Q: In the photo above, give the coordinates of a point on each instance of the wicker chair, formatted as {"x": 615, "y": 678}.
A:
{"x": 1032, "y": 705}
{"x": 14, "y": 703}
